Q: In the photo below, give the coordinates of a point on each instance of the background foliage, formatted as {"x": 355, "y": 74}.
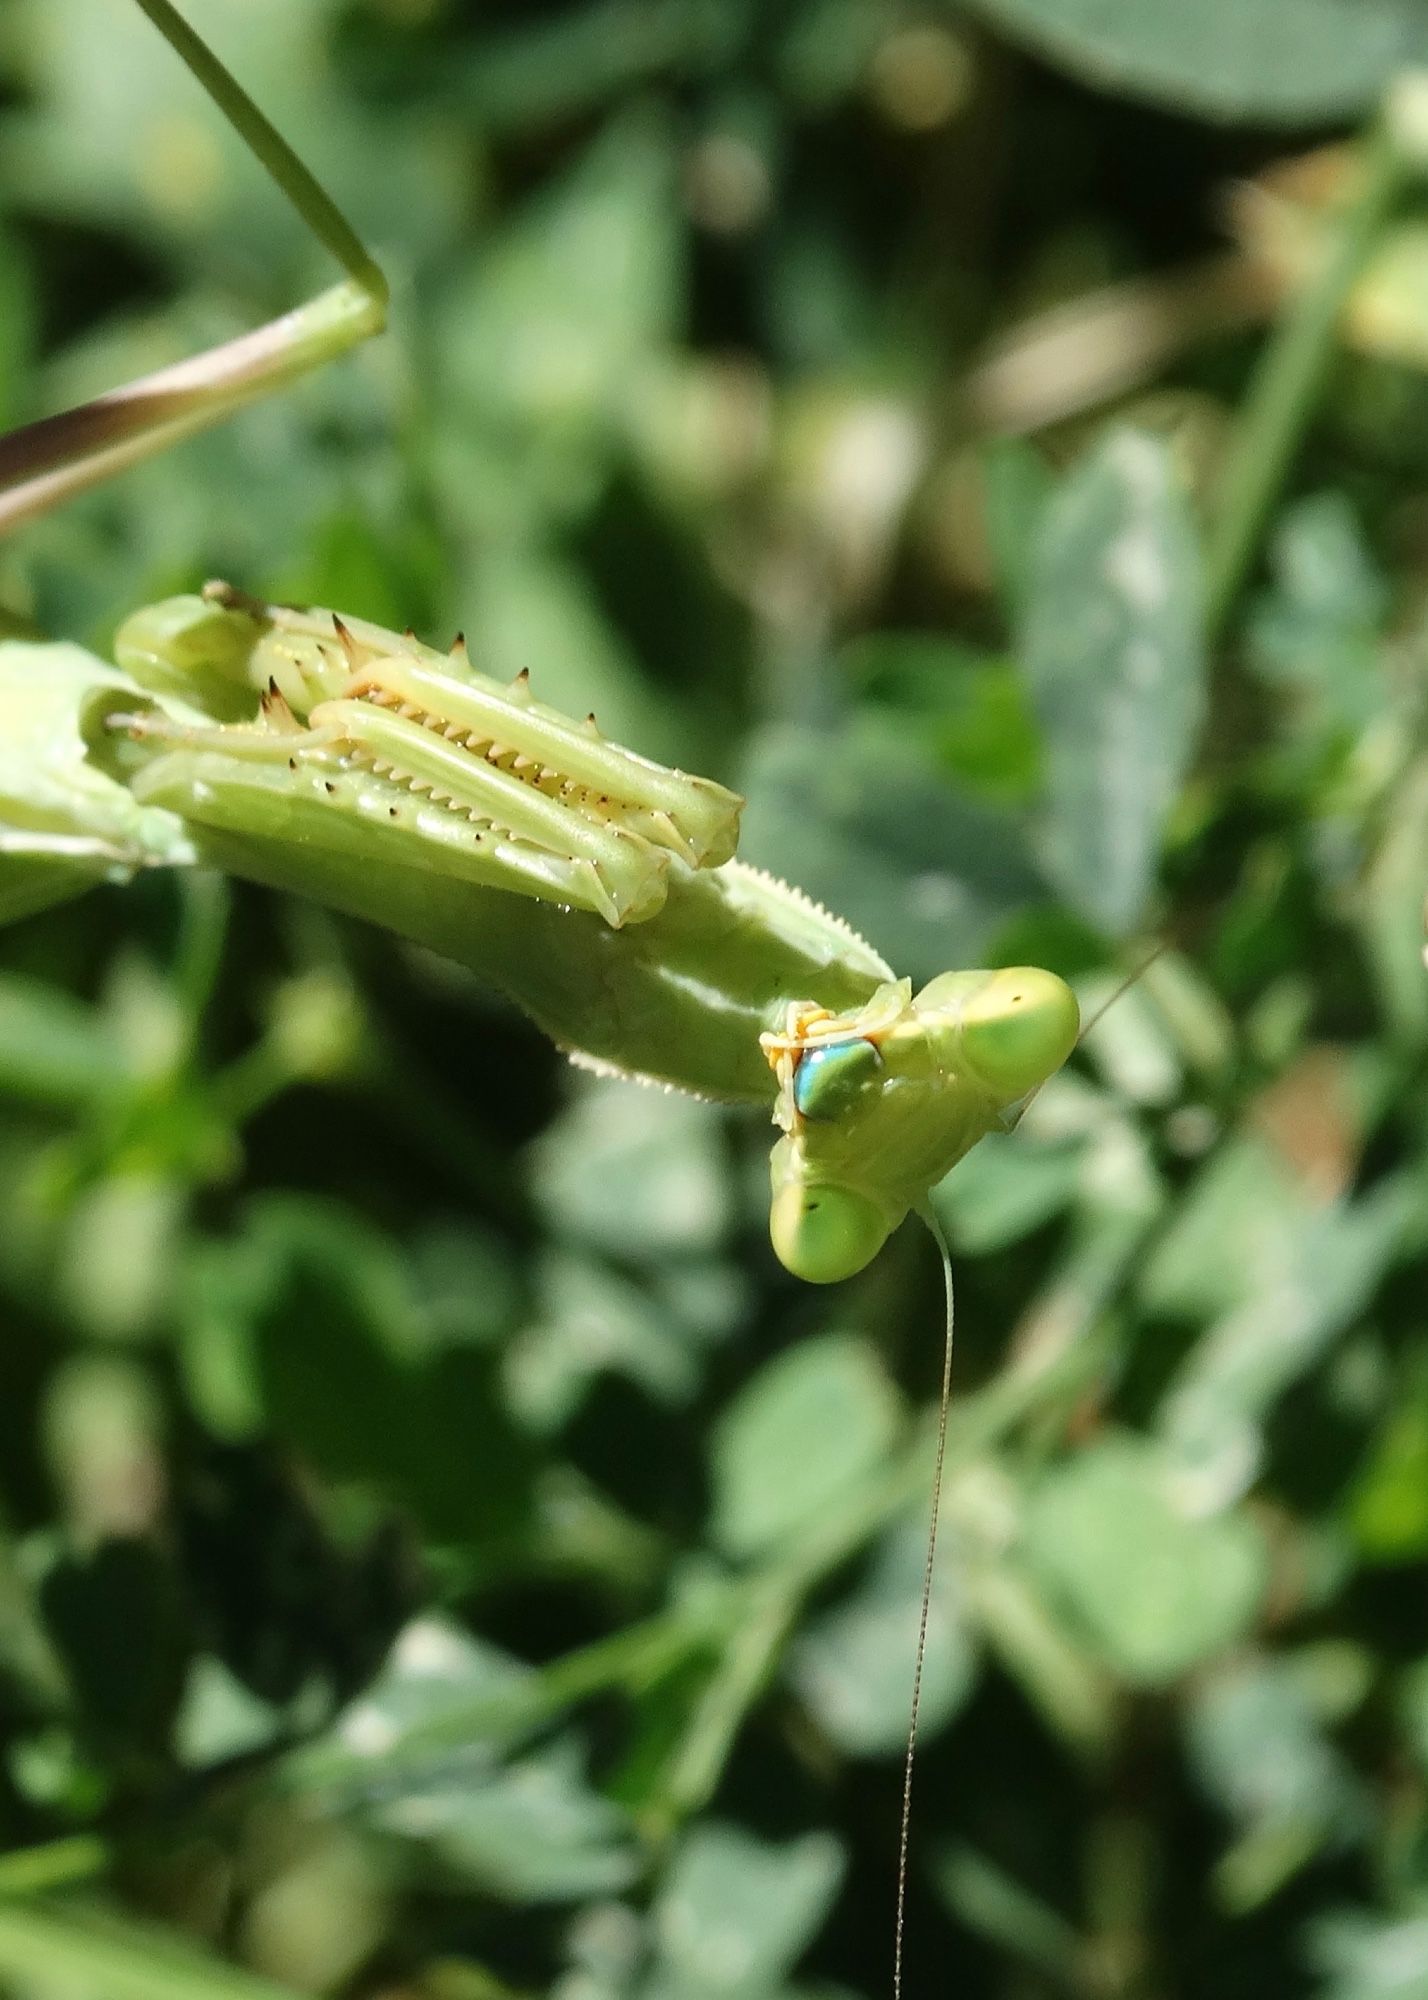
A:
{"x": 442, "y": 1555}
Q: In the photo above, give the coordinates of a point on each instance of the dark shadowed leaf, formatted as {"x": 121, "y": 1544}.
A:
{"x": 865, "y": 822}
{"x": 1270, "y": 61}
{"x": 120, "y": 1624}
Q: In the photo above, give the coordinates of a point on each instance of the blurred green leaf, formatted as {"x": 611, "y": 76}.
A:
{"x": 79, "y": 148}
{"x": 1018, "y": 487}
{"x": 1114, "y": 658}
{"x": 1367, "y": 1957}
{"x": 1156, "y": 1589}
{"x": 1232, "y": 1223}
{"x": 809, "y": 1429}
{"x": 53, "y": 1049}
{"x": 1391, "y": 911}
{"x": 310, "y": 1299}
{"x": 1413, "y": 1706}
{"x": 550, "y": 330}
{"x": 119, "y": 1252}
{"x": 531, "y": 1832}
{"x": 113, "y": 1960}
{"x": 220, "y": 1718}
{"x": 616, "y": 1152}
{"x": 1388, "y": 1506}
{"x": 971, "y": 710}
{"x": 411, "y": 1758}
{"x": 1014, "y": 1187}
{"x": 589, "y": 1321}
{"x": 558, "y": 67}
{"x": 851, "y": 1663}
{"x": 736, "y": 1912}
{"x": 1261, "y": 1752}
{"x": 17, "y": 325}
{"x": 1315, "y": 632}
{"x": 1305, "y": 1280}
{"x": 985, "y": 1897}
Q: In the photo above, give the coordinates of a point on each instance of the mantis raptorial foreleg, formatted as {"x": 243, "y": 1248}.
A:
{"x": 597, "y": 889}
{"x": 369, "y": 727}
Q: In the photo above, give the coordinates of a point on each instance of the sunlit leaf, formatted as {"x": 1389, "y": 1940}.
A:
{"x": 1155, "y": 1588}
{"x": 1114, "y": 659}
{"x": 808, "y": 1430}
{"x": 736, "y": 1911}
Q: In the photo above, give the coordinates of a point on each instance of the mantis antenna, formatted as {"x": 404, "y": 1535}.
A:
{"x": 1132, "y": 978}
{"x": 44, "y": 463}
{"x": 929, "y": 1216}
{"x": 925, "y": 1609}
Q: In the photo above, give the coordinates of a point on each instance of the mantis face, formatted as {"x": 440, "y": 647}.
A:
{"x": 877, "y": 1105}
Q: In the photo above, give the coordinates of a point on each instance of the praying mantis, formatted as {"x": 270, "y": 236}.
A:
{"x": 599, "y": 891}
{"x": 328, "y": 757}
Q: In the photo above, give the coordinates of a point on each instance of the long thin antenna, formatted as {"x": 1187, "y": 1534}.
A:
{"x": 925, "y": 1612}
{"x": 1131, "y": 979}
{"x": 1125, "y": 986}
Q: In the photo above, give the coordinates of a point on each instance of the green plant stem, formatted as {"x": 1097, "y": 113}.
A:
{"x": 44, "y": 1950}
{"x": 270, "y": 149}
{"x": 204, "y": 903}
{"x": 45, "y": 463}
{"x": 1287, "y": 381}
{"x": 745, "y": 1668}
{"x": 30, "y": 1871}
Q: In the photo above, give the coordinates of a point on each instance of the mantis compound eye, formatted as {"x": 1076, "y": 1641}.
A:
{"x": 822, "y": 1232}
{"x": 1017, "y": 1028}
{"x": 828, "y": 1080}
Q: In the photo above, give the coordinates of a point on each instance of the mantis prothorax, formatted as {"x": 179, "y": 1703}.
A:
{"x": 599, "y": 891}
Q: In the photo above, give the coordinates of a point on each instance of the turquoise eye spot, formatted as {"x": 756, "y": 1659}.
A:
{"x": 828, "y": 1079}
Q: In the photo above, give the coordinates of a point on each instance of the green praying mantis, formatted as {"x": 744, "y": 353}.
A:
{"x": 597, "y": 890}
{"x": 600, "y": 892}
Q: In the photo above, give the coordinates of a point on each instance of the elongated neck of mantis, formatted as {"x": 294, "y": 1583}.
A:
{"x": 925, "y": 1210}
{"x": 46, "y": 463}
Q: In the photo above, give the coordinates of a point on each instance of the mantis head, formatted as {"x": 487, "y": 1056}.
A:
{"x": 877, "y": 1105}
